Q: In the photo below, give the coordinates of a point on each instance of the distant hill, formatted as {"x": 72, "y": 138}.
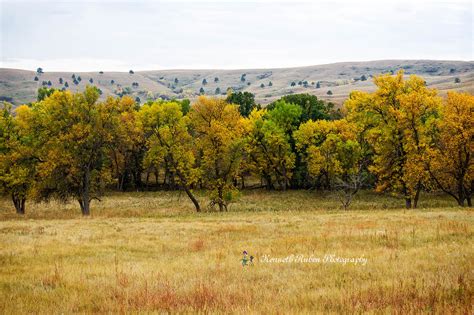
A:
{"x": 19, "y": 87}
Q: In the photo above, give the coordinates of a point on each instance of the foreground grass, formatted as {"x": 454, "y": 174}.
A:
{"x": 150, "y": 252}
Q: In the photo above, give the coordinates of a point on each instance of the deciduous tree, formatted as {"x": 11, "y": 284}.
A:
{"x": 74, "y": 132}
{"x": 401, "y": 116}
{"x": 17, "y": 156}
{"x": 218, "y": 129}
{"x": 170, "y": 142}
{"x": 451, "y": 161}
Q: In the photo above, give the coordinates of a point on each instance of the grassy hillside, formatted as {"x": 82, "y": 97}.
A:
{"x": 19, "y": 86}
{"x": 148, "y": 252}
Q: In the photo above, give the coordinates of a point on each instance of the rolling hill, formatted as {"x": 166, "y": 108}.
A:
{"x": 19, "y": 86}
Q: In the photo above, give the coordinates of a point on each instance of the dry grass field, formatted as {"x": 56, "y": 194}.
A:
{"x": 149, "y": 252}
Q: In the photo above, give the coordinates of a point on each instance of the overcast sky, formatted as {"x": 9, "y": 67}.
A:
{"x": 122, "y": 35}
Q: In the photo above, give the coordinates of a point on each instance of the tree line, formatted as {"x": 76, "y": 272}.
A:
{"x": 403, "y": 138}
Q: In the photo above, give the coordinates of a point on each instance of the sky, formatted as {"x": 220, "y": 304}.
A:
{"x": 118, "y": 35}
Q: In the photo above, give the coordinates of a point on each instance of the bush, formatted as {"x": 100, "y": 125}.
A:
{"x": 329, "y": 92}
{"x": 457, "y": 80}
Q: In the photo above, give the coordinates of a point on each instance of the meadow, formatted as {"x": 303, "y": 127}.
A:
{"x": 150, "y": 252}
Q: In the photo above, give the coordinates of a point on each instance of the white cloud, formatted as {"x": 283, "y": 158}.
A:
{"x": 121, "y": 34}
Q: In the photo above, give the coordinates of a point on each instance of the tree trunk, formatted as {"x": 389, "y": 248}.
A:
{"x": 221, "y": 198}
{"x": 182, "y": 179}
{"x": 417, "y": 197}
{"x": 285, "y": 180}
{"x": 147, "y": 179}
{"x": 268, "y": 181}
{"x": 469, "y": 201}
{"x": 19, "y": 203}
{"x": 461, "y": 195}
{"x": 85, "y": 200}
{"x": 137, "y": 179}
{"x": 193, "y": 199}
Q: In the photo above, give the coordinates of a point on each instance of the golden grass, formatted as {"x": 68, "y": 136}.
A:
{"x": 149, "y": 252}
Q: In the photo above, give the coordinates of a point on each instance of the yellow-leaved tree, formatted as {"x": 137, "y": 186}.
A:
{"x": 451, "y": 161}
{"x": 267, "y": 147}
{"x": 218, "y": 128}
{"x": 168, "y": 139}
{"x": 334, "y": 155}
{"x": 74, "y": 135}
{"x": 401, "y": 119}
{"x": 17, "y": 155}
{"x": 128, "y": 142}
